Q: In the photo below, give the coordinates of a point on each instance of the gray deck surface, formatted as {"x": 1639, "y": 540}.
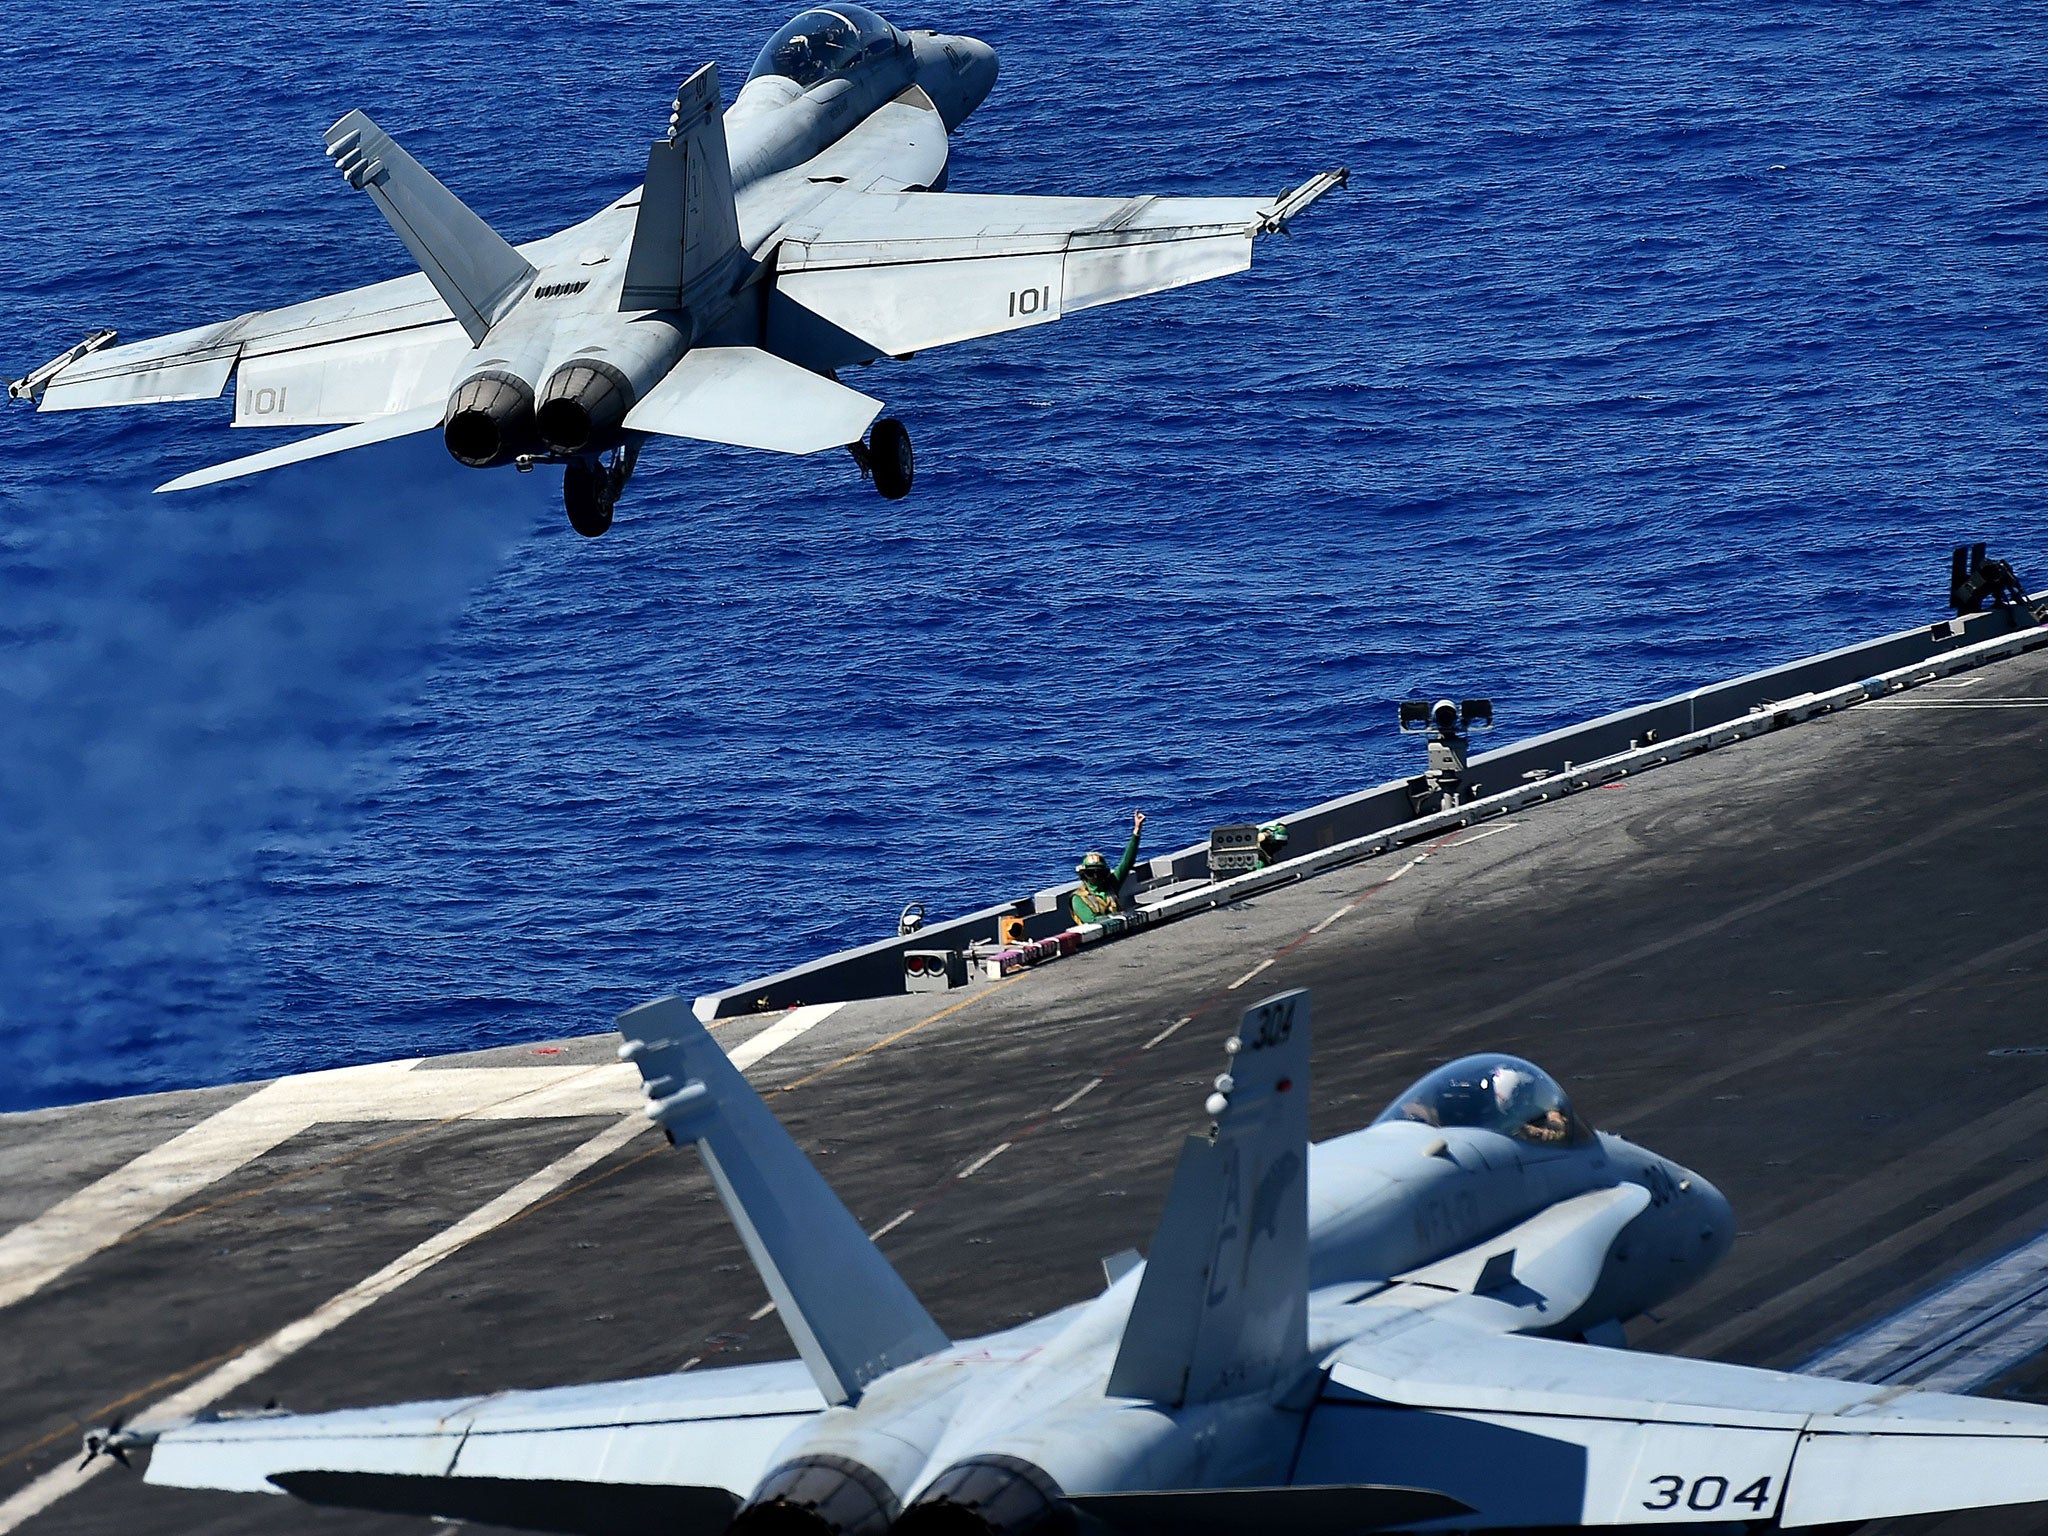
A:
{"x": 1786, "y": 964}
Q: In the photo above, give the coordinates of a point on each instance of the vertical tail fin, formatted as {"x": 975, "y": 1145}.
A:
{"x": 688, "y": 230}
{"x": 851, "y": 1315}
{"x": 472, "y": 267}
{"x": 1223, "y": 1305}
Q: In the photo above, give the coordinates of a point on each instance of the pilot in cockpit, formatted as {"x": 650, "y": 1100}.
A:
{"x": 1495, "y": 1093}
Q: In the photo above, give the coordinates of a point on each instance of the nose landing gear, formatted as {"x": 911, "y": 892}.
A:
{"x": 591, "y": 487}
{"x": 886, "y": 459}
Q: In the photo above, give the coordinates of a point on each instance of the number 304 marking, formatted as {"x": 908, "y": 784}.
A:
{"x": 1706, "y": 1493}
{"x": 1274, "y": 1028}
{"x": 1030, "y": 301}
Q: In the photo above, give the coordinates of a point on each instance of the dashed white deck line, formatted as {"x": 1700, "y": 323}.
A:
{"x": 1167, "y": 1033}
{"x": 1358, "y": 901}
{"x": 891, "y": 1224}
{"x": 982, "y": 1161}
{"x": 1958, "y": 1336}
{"x": 100, "y": 1215}
{"x": 245, "y": 1367}
{"x": 760, "y": 1312}
{"x": 1479, "y": 837}
{"x": 1077, "y": 1095}
{"x": 1248, "y": 975}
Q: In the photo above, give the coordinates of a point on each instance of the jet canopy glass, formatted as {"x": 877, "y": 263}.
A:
{"x": 1493, "y": 1093}
{"x": 826, "y": 42}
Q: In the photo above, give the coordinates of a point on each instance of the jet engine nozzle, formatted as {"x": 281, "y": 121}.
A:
{"x": 582, "y": 406}
{"x": 989, "y": 1496}
{"x": 817, "y": 1496}
{"x": 489, "y": 420}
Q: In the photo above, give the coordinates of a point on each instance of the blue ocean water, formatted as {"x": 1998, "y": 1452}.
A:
{"x": 1653, "y": 342}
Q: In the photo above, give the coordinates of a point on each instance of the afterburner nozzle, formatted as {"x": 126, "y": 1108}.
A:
{"x": 582, "y": 406}
{"x": 989, "y": 1496}
{"x": 818, "y": 1496}
{"x": 489, "y": 420}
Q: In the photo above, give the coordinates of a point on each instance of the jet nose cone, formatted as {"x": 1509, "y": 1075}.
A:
{"x": 1717, "y": 1221}
{"x": 978, "y": 76}
{"x": 956, "y": 72}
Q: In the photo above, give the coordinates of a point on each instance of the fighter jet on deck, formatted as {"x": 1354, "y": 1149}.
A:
{"x": 806, "y": 230}
{"x": 1412, "y": 1327}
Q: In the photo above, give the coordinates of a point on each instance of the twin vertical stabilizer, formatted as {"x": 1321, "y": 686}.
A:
{"x": 474, "y": 269}
{"x": 851, "y": 1315}
{"x": 688, "y": 232}
{"x": 1223, "y": 1305}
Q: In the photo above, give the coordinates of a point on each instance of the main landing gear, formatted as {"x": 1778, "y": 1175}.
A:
{"x": 886, "y": 459}
{"x": 591, "y": 487}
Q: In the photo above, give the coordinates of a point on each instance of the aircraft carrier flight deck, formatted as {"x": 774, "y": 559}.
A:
{"x": 1812, "y": 965}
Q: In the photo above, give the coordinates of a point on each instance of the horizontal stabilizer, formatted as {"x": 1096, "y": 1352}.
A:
{"x": 1223, "y": 1305}
{"x": 1297, "y": 1511}
{"x": 364, "y": 433}
{"x": 474, "y": 269}
{"x": 753, "y": 399}
{"x": 851, "y": 1315}
{"x": 575, "y": 1509}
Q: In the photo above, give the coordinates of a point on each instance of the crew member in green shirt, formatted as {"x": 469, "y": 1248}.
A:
{"x": 1095, "y": 898}
{"x": 1272, "y": 844}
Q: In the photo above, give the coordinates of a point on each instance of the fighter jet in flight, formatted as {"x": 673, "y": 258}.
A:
{"x": 805, "y": 231}
{"x": 1411, "y": 1327}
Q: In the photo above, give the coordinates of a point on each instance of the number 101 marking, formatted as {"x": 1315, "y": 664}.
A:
{"x": 1029, "y": 301}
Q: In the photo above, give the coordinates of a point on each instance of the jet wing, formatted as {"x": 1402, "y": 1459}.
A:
{"x": 903, "y": 271}
{"x": 372, "y": 351}
{"x": 1538, "y": 1432}
{"x": 669, "y": 1454}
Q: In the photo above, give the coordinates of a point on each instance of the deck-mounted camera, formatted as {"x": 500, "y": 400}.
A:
{"x": 1447, "y": 723}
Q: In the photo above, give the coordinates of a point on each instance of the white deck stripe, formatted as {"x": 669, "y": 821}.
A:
{"x": 1248, "y": 975}
{"x": 293, "y": 1337}
{"x": 892, "y": 1224}
{"x": 46, "y": 1490}
{"x": 100, "y": 1215}
{"x": 1959, "y": 1335}
{"x": 1479, "y": 837}
{"x": 1077, "y": 1095}
{"x": 1166, "y": 1033}
{"x": 982, "y": 1161}
{"x": 800, "y": 1021}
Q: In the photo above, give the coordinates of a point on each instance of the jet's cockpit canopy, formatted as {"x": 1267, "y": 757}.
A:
{"x": 826, "y": 42}
{"x": 1494, "y": 1093}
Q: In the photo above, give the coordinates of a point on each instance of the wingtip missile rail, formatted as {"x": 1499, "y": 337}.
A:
{"x": 1275, "y": 220}
{"x": 31, "y": 386}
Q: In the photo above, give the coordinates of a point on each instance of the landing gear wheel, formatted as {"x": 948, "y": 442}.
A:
{"x": 889, "y": 458}
{"x": 590, "y": 512}
{"x": 591, "y": 489}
